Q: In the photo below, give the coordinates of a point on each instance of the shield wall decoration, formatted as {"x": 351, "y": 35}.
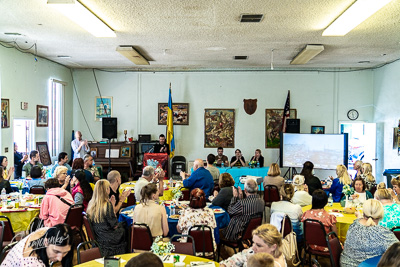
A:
{"x": 250, "y": 106}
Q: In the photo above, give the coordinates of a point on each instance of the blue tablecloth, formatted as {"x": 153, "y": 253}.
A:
{"x": 371, "y": 262}
{"x": 25, "y": 186}
{"x": 237, "y": 172}
{"x": 221, "y": 218}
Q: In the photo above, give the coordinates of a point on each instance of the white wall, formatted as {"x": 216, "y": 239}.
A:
{"x": 25, "y": 80}
{"x": 321, "y": 98}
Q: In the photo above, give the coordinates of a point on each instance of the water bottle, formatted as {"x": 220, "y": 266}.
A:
{"x": 258, "y": 164}
{"x": 172, "y": 209}
{"x": 222, "y": 164}
{"x": 330, "y": 200}
{"x": 4, "y": 198}
{"x": 171, "y": 182}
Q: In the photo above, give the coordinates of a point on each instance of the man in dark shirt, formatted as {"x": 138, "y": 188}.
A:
{"x": 161, "y": 147}
{"x": 221, "y": 158}
{"x": 19, "y": 160}
{"x": 114, "y": 177}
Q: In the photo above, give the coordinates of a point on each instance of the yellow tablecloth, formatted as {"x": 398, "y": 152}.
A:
{"x": 343, "y": 223}
{"x": 167, "y": 195}
{"x": 20, "y": 220}
{"x": 127, "y": 257}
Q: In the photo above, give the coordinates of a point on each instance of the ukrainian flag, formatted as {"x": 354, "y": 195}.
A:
{"x": 170, "y": 126}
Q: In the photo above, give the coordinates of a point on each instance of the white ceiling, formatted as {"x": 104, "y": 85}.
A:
{"x": 188, "y": 30}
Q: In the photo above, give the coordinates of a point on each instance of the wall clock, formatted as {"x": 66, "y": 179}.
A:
{"x": 352, "y": 114}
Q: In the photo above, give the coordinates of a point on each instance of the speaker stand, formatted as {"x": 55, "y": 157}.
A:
{"x": 290, "y": 173}
{"x": 109, "y": 155}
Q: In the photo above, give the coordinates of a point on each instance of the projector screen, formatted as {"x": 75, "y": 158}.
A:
{"x": 325, "y": 151}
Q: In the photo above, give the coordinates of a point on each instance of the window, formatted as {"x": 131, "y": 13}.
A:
{"x": 56, "y": 117}
{"x": 24, "y": 134}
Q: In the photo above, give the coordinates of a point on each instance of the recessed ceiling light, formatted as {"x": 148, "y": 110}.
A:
{"x": 63, "y": 56}
{"x": 240, "y": 57}
{"x": 12, "y": 33}
{"x": 216, "y": 48}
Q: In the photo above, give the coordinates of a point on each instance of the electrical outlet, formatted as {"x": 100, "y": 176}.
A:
{"x": 5, "y": 149}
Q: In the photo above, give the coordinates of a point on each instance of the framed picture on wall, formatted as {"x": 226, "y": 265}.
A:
{"x": 103, "y": 107}
{"x": 219, "y": 128}
{"x": 43, "y": 153}
{"x": 317, "y": 129}
{"x": 5, "y": 113}
{"x": 93, "y": 152}
{"x": 125, "y": 152}
{"x": 273, "y": 125}
{"x": 42, "y": 116}
{"x": 179, "y": 110}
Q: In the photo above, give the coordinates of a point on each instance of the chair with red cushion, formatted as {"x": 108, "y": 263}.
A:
{"x": 271, "y": 194}
{"x": 185, "y": 194}
{"x": 396, "y": 232}
{"x": 8, "y": 234}
{"x": 88, "y": 254}
{"x": 203, "y": 238}
{"x": 88, "y": 227}
{"x": 140, "y": 237}
{"x": 74, "y": 219}
{"x": 5, "y": 250}
{"x": 287, "y": 228}
{"x": 187, "y": 247}
{"x": 335, "y": 248}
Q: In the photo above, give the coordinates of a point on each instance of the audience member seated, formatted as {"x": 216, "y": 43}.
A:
{"x": 200, "y": 178}
{"x": 238, "y": 160}
{"x": 317, "y": 212}
{"x": 145, "y": 259}
{"x": 197, "y": 214}
{"x": 391, "y": 257}
{"x": 4, "y": 183}
{"x": 241, "y": 210}
{"x": 78, "y": 164}
{"x": 395, "y": 192}
{"x": 88, "y": 166}
{"x": 55, "y": 204}
{"x": 311, "y": 181}
{"x": 36, "y": 175}
{"x": 60, "y": 173}
{"x": 211, "y": 168}
{"x": 342, "y": 179}
{"x": 360, "y": 195}
{"x": 391, "y": 214}
{"x": 258, "y": 158}
{"x": 292, "y": 210}
{"x": 114, "y": 177}
{"x": 365, "y": 238}
{"x": 150, "y": 213}
{"x": 62, "y": 161}
{"x": 224, "y": 196}
{"x": 266, "y": 239}
{"x": 109, "y": 233}
{"x": 358, "y": 168}
{"x": 221, "y": 158}
{"x": 42, "y": 247}
{"x": 301, "y": 195}
{"x": 19, "y": 160}
{"x": 81, "y": 190}
{"x": 34, "y": 161}
{"x": 6, "y": 173}
{"x": 367, "y": 175}
{"x": 147, "y": 177}
{"x": 262, "y": 259}
{"x": 274, "y": 177}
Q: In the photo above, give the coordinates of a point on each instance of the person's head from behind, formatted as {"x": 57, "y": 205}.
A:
{"x": 145, "y": 259}
{"x": 343, "y": 175}
{"x": 34, "y": 156}
{"x": 381, "y": 185}
{"x": 78, "y": 164}
{"x": 197, "y": 199}
{"x": 287, "y": 192}
{"x": 359, "y": 185}
{"x": 88, "y": 160}
{"x": 391, "y": 257}
{"x": 36, "y": 172}
{"x": 148, "y": 192}
{"x": 250, "y": 186}
{"x": 366, "y": 168}
{"x": 266, "y": 238}
{"x": 372, "y": 210}
{"x": 220, "y": 151}
{"x": 262, "y": 259}
{"x": 114, "y": 177}
{"x": 55, "y": 245}
{"x": 307, "y": 170}
{"x": 62, "y": 158}
{"x": 148, "y": 173}
{"x": 197, "y": 164}
{"x": 274, "y": 170}
{"x": 51, "y": 183}
{"x": 383, "y": 195}
{"x": 161, "y": 139}
{"x": 298, "y": 182}
{"x": 226, "y": 180}
{"x": 319, "y": 199}
{"x": 210, "y": 159}
{"x": 97, "y": 207}
{"x": 357, "y": 165}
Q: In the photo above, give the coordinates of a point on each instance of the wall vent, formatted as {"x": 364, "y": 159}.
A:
{"x": 240, "y": 57}
{"x": 251, "y": 17}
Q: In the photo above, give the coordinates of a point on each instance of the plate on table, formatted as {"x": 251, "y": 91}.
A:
{"x": 14, "y": 210}
{"x": 175, "y": 216}
{"x": 218, "y": 210}
{"x": 36, "y": 206}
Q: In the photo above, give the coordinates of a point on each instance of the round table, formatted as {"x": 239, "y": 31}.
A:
{"x": 342, "y": 222}
{"x": 20, "y": 220}
{"x": 167, "y": 195}
{"x": 188, "y": 259}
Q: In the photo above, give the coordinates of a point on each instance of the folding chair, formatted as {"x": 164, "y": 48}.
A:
{"x": 396, "y": 231}
{"x": 88, "y": 227}
{"x": 140, "y": 237}
{"x": 203, "y": 238}
{"x": 5, "y": 250}
{"x": 8, "y": 234}
{"x": 88, "y": 254}
{"x": 75, "y": 219}
{"x": 187, "y": 247}
{"x": 37, "y": 190}
{"x": 271, "y": 194}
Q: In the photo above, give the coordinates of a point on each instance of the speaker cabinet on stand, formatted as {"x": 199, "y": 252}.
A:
{"x": 109, "y": 131}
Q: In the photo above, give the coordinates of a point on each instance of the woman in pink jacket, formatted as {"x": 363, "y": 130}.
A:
{"x": 55, "y": 204}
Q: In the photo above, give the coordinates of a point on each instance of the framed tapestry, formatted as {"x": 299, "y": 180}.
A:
{"x": 103, "y": 107}
{"x": 42, "y": 116}
{"x": 219, "y": 128}
{"x": 273, "y": 125}
{"x": 180, "y": 111}
{"x": 43, "y": 153}
{"x": 5, "y": 113}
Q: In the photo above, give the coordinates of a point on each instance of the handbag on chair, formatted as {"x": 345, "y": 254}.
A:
{"x": 289, "y": 246}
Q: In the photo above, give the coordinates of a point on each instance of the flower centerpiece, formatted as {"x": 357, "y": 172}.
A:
{"x": 252, "y": 163}
{"x": 176, "y": 193}
{"x": 160, "y": 247}
{"x": 348, "y": 191}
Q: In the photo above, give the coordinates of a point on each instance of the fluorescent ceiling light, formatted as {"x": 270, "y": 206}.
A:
{"x": 308, "y": 53}
{"x": 82, "y": 16}
{"x": 129, "y": 52}
{"x": 353, "y": 16}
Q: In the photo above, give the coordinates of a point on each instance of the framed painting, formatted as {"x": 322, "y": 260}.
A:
{"x": 5, "y": 113}
{"x": 219, "y": 128}
{"x": 42, "y": 116}
{"x": 103, "y": 107}
{"x": 273, "y": 125}
{"x": 93, "y": 152}
{"x": 43, "y": 153}
{"x": 317, "y": 129}
{"x": 125, "y": 152}
{"x": 179, "y": 110}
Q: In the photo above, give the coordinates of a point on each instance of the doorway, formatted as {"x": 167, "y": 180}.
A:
{"x": 24, "y": 134}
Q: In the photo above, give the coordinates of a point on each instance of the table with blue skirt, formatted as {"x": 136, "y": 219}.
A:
{"x": 20, "y": 183}
{"x": 222, "y": 220}
{"x": 238, "y": 172}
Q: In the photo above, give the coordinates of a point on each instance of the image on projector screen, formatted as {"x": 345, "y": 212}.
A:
{"x": 324, "y": 151}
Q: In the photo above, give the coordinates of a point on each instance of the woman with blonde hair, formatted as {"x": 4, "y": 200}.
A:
{"x": 224, "y": 196}
{"x": 395, "y": 192}
{"x": 60, "y": 173}
{"x": 365, "y": 238}
{"x": 342, "y": 179}
{"x": 266, "y": 239}
{"x": 367, "y": 175}
{"x": 391, "y": 214}
{"x": 274, "y": 177}
{"x": 109, "y": 233}
{"x": 301, "y": 195}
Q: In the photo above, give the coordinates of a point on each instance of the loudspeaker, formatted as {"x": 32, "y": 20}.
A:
{"x": 143, "y": 138}
{"x": 109, "y": 128}
{"x": 293, "y": 126}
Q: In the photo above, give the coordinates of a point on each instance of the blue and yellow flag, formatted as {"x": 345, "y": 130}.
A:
{"x": 170, "y": 126}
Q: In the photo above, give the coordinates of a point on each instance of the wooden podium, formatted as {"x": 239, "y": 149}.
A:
{"x": 162, "y": 158}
